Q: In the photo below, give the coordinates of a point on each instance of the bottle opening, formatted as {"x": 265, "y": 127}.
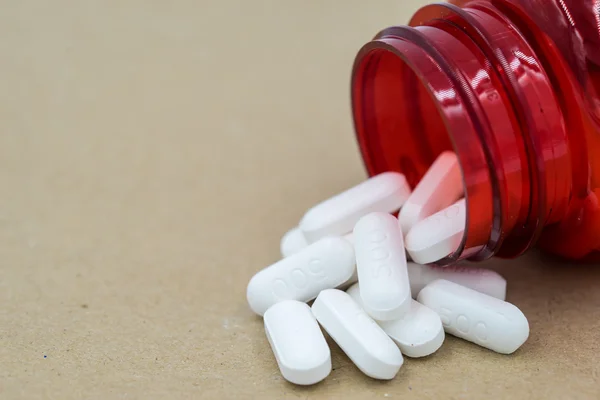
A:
{"x": 407, "y": 111}
{"x": 506, "y": 87}
{"x": 400, "y": 126}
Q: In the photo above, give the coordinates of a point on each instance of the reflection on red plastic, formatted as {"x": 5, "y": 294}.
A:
{"x": 514, "y": 93}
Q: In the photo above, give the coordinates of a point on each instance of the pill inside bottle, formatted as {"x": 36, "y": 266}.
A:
{"x": 513, "y": 93}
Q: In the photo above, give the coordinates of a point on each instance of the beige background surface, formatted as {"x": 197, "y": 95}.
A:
{"x": 152, "y": 153}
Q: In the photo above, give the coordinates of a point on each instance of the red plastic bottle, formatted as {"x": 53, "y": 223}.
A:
{"x": 512, "y": 86}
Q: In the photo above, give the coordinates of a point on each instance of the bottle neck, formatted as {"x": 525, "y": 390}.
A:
{"x": 466, "y": 79}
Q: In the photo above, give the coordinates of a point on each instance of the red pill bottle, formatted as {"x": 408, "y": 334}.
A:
{"x": 513, "y": 87}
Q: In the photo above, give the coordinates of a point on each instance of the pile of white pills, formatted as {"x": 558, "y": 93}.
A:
{"x": 397, "y": 307}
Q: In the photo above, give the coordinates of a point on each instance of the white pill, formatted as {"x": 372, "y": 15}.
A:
{"x": 325, "y": 264}
{"x": 338, "y": 215}
{"x": 381, "y": 266}
{"x": 476, "y": 317}
{"x": 440, "y": 187}
{"x": 438, "y": 235}
{"x": 418, "y": 334}
{"x": 297, "y": 342}
{"x": 357, "y": 334}
{"x": 292, "y": 242}
{"x": 480, "y": 279}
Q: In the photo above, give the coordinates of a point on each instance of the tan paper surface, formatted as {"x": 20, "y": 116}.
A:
{"x": 152, "y": 153}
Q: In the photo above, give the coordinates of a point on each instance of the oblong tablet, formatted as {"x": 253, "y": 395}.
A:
{"x": 367, "y": 345}
{"x": 297, "y": 342}
{"x": 476, "y": 317}
{"x": 325, "y": 264}
{"x": 440, "y": 187}
{"x": 381, "y": 266}
{"x": 418, "y": 334}
{"x": 385, "y": 192}
{"x": 480, "y": 279}
{"x": 438, "y": 235}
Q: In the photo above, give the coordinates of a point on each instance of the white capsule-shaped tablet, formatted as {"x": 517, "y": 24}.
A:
{"x": 476, "y": 317}
{"x": 480, "y": 279}
{"x": 325, "y": 264}
{"x": 338, "y": 215}
{"x": 381, "y": 266}
{"x": 292, "y": 242}
{"x": 297, "y": 342}
{"x": 483, "y": 280}
{"x": 438, "y": 235}
{"x": 357, "y": 334}
{"x": 418, "y": 334}
{"x": 440, "y": 187}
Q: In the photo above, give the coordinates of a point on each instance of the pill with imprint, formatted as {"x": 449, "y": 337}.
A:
{"x": 476, "y": 317}
{"x": 327, "y": 263}
{"x": 381, "y": 266}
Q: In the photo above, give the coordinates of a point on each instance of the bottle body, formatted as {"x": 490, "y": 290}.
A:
{"x": 512, "y": 87}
